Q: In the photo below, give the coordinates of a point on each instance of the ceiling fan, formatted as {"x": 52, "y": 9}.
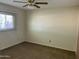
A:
{"x": 32, "y": 3}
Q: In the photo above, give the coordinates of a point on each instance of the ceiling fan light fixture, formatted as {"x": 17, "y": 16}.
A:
{"x": 31, "y": 7}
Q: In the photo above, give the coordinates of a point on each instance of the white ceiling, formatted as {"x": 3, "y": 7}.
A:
{"x": 51, "y": 3}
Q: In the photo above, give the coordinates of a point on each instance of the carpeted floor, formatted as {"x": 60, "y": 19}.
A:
{"x": 34, "y": 51}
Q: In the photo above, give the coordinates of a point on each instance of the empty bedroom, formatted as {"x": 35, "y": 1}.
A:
{"x": 39, "y": 29}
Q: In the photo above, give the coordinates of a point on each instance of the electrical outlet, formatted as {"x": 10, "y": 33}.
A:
{"x": 50, "y": 41}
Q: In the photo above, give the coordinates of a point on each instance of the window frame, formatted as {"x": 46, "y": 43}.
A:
{"x": 14, "y": 22}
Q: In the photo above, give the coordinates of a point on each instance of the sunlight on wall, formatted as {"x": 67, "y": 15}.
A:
{"x": 59, "y": 26}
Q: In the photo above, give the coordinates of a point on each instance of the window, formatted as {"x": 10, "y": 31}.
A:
{"x": 6, "y": 21}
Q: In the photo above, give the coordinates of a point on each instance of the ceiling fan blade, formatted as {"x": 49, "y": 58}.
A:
{"x": 19, "y": 2}
{"x": 25, "y": 5}
{"x": 36, "y": 6}
{"x": 41, "y": 3}
{"x": 33, "y": 0}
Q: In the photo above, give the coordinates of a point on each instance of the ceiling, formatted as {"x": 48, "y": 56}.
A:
{"x": 51, "y": 3}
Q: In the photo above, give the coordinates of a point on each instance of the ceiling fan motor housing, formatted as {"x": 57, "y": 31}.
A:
{"x": 31, "y": 1}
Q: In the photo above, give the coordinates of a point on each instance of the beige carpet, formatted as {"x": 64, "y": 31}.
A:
{"x": 34, "y": 51}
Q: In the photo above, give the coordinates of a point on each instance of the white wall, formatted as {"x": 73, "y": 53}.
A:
{"x": 56, "y": 25}
{"x": 10, "y": 38}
